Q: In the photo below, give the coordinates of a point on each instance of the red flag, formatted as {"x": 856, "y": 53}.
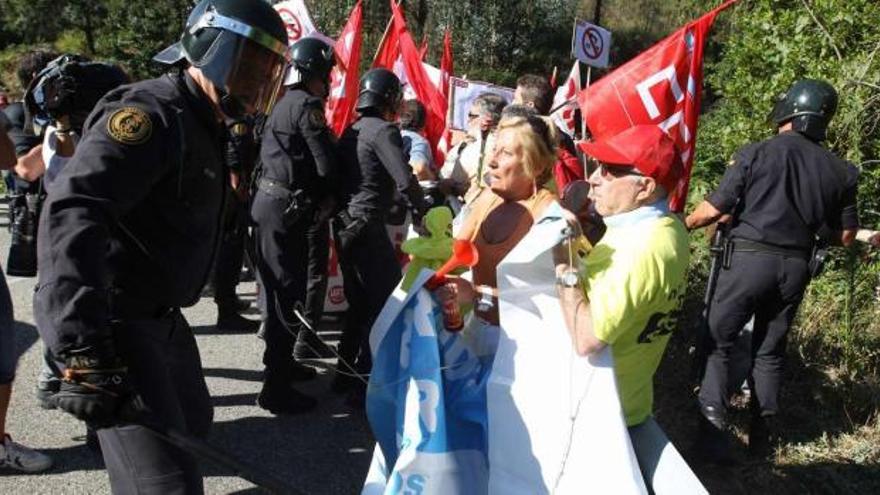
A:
{"x": 427, "y": 93}
{"x": 344, "y": 78}
{"x": 389, "y": 48}
{"x": 446, "y": 64}
{"x": 564, "y": 101}
{"x": 660, "y": 86}
{"x": 423, "y": 50}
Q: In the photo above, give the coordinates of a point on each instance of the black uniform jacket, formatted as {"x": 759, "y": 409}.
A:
{"x": 374, "y": 167}
{"x": 784, "y": 189}
{"x": 135, "y": 212}
{"x": 298, "y": 149}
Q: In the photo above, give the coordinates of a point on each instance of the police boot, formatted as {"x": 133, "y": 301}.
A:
{"x": 713, "y": 444}
{"x": 763, "y": 434}
{"x": 232, "y": 322}
{"x": 301, "y": 372}
{"x": 278, "y": 397}
{"x": 310, "y": 346}
{"x": 233, "y": 303}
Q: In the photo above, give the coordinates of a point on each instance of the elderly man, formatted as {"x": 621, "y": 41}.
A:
{"x": 467, "y": 163}
{"x": 633, "y": 282}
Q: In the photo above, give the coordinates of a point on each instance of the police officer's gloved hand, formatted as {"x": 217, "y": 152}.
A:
{"x": 418, "y": 222}
{"x": 96, "y": 388}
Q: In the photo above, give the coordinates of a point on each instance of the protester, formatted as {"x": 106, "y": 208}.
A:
{"x": 415, "y": 145}
{"x": 373, "y": 169}
{"x": 629, "y": 292}
{"x": 295, "y": 196}
{"x": 781, "y": 192}
{"x": 535, "y": 92}
{"x": 463, "y": 173}
{"x": 500, "y": 217}
{"x": 129, "y": 233}
{"x": 12, "y": 455}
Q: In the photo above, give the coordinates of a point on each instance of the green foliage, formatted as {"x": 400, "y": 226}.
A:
{"x": 767, "y": 44}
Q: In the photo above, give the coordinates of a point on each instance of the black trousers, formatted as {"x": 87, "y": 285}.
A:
{"x": 166, "y": 370}
{"x": 230, "y": 253}
{"x": 370, "y": 271}
{"x": 292, "y": 267}
{"x": 769, "y": 286}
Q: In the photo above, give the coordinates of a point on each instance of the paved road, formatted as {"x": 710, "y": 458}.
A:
{"x": 324, "y": 452}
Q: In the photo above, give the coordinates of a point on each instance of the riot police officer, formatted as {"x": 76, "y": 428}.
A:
{"x": 780, "y": 192}
{"x": 374, "y": 168}
{"x": 129, "y": 234}
{"x": 291, "y": 209}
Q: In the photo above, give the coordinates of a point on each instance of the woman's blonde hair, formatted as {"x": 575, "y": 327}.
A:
{"x": 538, "y": 139}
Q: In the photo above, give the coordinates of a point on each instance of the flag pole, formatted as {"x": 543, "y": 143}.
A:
{"x": 384, "y": 36}
{"x": 584, "y": 121}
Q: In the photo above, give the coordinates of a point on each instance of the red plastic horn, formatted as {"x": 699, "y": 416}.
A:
{"x": 464, "y": 253}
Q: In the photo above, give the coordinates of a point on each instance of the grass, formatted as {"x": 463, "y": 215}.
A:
{"x": 830, "y": 398}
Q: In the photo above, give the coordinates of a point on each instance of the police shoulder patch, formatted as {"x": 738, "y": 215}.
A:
{"x": 130, "y": 125}
{"x": 316, "y": 118}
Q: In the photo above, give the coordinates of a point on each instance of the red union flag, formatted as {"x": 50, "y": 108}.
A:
{"x": 660, "y": 86}
{"x": 344, "y": 78}
{"x": 564, "y": 116}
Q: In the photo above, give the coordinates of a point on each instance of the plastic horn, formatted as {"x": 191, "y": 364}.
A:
{"x": 464, "y": 253}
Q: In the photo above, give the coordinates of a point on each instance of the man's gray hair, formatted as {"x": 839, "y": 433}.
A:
{"x": 489, "y": 105}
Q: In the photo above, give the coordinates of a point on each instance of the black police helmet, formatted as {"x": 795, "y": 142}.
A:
{"x": 809, "y": 104}
{"x": 310, "y": 58}
{"x": 240, "y": 46}
{"x": 380, "y": 90}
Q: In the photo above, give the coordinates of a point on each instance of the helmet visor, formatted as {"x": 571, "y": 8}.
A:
{"x": 255, "y": 78}
{"x": 245, "y": 70}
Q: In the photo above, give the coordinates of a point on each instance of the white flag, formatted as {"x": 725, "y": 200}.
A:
{"x": 296, "y": 19}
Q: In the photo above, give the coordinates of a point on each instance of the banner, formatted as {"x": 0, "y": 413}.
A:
{"x": 591, "y": 44}
{"x": 472, "y": 412}
{"x": 567, "y": 92}
{"x": 345, "y": 76}
{"x": 661, "y": 86}
{"x": 463, "y": 94}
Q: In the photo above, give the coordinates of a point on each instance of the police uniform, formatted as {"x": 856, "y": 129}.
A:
{"x": 781, "y": 192}
{"x": 298, "y": 173}
{"x": 374, "y": 169}
{"x": 127, "y": 238}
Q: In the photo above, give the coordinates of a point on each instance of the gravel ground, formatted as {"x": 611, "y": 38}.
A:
{"x": 326, "y": 451}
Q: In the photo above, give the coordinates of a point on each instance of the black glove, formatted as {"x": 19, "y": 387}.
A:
{"x": 95, "y": 392}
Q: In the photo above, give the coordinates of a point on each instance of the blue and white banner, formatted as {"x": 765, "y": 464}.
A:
{"x": 506, "y": 410}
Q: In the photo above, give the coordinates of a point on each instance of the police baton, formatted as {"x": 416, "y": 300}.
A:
{"x": 203, "y": 449}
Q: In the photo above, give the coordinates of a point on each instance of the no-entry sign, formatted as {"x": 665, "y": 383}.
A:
{"x": 591, "y": 44}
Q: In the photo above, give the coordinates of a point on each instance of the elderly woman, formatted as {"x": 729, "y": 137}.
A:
{"x": 525, "y": 150}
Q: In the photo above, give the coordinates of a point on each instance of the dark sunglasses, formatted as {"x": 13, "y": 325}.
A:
{"x": 616, "y": 172}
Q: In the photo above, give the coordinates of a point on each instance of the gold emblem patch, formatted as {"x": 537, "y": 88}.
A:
{"x": 130, "y": 125}
{"x": 316, "y": 118}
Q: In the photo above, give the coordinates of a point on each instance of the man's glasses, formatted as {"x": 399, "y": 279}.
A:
{"x": 472, "y": 116}
{"x": 609, "y": 172}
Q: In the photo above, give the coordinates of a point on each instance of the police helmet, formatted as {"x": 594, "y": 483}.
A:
{"x": 380, "y": 90}
{"x": 809, "y": 104}
{"x": 240, "y": 46}
{"x": 309, "y": 58}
